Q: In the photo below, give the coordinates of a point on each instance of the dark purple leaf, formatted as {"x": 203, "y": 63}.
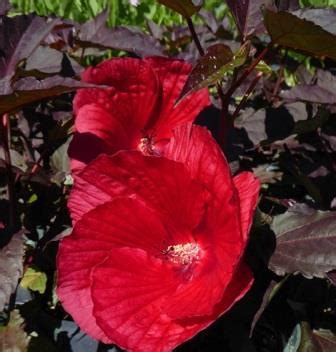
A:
{"x": 254, "y": 123}
{"x": 28, "y": 90}
{"x": 325, "y": 18}
{"x": 19, "y": 38}
{"x": 248, "y": 15}
{"x": 5, "y": 6}
{"x": 94, "y": 33}
{"x": 306, "y": 241}
{"x": 291, "y": 31}
{"x": 186, "y": 8}
{"x": 288, "y": 5}
{"x": 209, "y": 69}
{"x": 210, "y": 20}
{"x": 322, "y": 92}
{"x": 11, "y": 267}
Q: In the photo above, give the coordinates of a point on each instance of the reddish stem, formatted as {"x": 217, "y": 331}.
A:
{"x": 5, "y": 128}
{"x": 246, "y": 96}
{"x": 195, "y": 36}
{"x": 246, "y": 73}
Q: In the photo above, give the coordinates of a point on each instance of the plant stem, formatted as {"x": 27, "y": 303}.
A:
{"x": 5, "y": 128}
{"x": 246, "y": 73}
{"x": 246, "y": 96}
{"x": 195, "y": 36}
{"x": 218, "y": 85}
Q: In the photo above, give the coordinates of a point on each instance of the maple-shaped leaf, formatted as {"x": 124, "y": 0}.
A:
{"x": 186, "y": 8}
{"x": 306, "y": 241}
{"x": 10, "y": 267}
{"x": 291, "y": 31}
{"x": 20, "y": 36}
{"x": 13, "y": 338}
{"x": 30, "y": 89}
{"x": 321, "y": 90}
{"x": 94, "y": 33}
{"x": 248, "y": 15}
{"x": 209, "y": 69}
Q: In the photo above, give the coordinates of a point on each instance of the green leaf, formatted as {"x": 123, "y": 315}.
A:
{"x": 34, "y": 279}
{"x": 291, "y": 31}
{"x": 186, "y": 8}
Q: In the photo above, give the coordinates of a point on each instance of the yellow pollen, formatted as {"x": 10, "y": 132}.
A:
{"x": 146, "y": 146}
{"x": 183, "y": 253}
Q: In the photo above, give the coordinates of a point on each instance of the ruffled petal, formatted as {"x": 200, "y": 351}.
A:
{"x": 98, "y": 132}
{"x": 248, "y": 187}
{"x": 137, "y": 285}
{"x": 132, "y": 89}
{"x": 196, "y": 149}
{"x": 103, "y": 228}
{"x": 74, "y": 281}
{"x": 163, "y": 184}
{"x": 113, "y": 118}
{"x": 172, "y": 74}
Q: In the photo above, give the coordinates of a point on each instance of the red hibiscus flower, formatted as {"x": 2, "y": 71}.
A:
{"x": 136, "y": 111}
{"x": 156, "y": 252}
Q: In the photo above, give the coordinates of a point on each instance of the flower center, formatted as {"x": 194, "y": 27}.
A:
{"x": 184, "y": 254}
{"x": 146, "y": 146}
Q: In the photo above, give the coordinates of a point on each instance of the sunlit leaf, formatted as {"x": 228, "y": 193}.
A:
{"x": 209, "y": 69}
{"x": 291, "y": 31}
{"x": 10, "y": 267}
{"x": 186, "y": 8}
{"x": 34, "y": 279}
{"x": 306, "y": 241}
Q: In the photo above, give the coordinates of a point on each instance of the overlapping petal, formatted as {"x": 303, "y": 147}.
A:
{"x": 138, "y": 102}
{"x": 157, "y": 242}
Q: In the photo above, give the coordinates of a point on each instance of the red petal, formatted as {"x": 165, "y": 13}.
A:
{"x": 172, "y": 75}
{"x": 128, "y": 79}
{"x": 98, "y": 131}
{"x": 163, "y": 184}
{"x": 248, "y": 187}
{"x": 102, "y": 229}
{"x": 127, "y": 304}
{"x": 74, "y": 281}
{"x": 113, "y": 118}
{"x": 196, "y": 149}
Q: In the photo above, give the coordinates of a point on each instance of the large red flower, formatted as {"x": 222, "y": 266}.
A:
{"x": 156, "y": 252}
{"x": 135, "y": 111}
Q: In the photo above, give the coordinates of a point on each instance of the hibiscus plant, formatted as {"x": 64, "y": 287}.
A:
{"x": 169, "y": 186}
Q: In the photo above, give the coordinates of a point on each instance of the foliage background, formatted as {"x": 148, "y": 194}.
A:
{"x": 285, "y": 132}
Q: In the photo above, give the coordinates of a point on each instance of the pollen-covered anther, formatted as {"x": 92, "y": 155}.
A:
{"x": 146, "y": 146}
{"x": 184, "y": 254}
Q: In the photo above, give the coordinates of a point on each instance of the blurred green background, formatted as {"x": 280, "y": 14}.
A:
{"x": 123, "y": 12}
